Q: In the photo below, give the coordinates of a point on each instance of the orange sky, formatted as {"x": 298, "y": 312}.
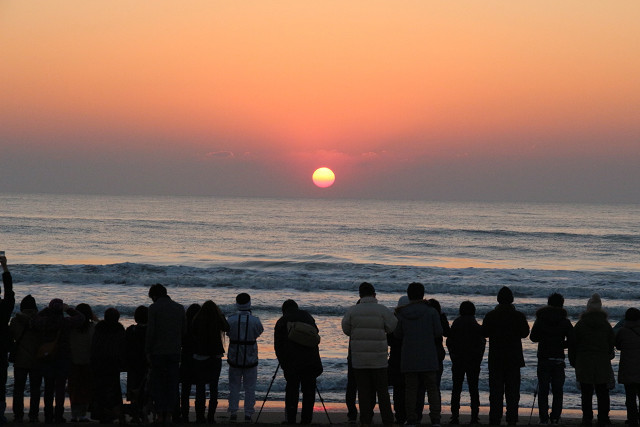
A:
{"x": 289, "y": 86}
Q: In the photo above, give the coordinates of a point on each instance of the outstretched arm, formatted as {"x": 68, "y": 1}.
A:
{"x": 9, "y": 300}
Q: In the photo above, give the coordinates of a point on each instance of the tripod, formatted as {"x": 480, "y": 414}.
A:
{"x": 269, "y": 389}
{"x": 535, "y": 394}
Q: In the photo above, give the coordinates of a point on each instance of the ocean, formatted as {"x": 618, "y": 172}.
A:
{"x": 106, "y": 251}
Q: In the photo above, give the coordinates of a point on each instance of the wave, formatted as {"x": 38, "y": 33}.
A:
{"x": 334, "y": 275}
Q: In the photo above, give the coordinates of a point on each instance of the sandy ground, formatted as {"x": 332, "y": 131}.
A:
{"x": 273, "y": 413}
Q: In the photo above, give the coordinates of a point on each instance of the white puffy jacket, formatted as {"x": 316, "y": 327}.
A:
{"x": 368, "y": 324}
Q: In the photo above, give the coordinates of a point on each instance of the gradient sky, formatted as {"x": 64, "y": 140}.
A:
{"x": 482, "y": 100}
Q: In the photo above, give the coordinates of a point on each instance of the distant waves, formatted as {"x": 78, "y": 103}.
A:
{"x": 334, "y": 277}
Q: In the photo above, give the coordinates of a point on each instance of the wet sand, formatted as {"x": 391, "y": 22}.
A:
{"x": 273, "y": 413}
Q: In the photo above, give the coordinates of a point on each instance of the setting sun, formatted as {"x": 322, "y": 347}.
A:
{"x": 323, "y": 177}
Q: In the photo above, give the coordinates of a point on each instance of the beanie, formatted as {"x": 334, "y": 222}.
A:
{"x": 243, "y": 302}
{"x": 505, "y": 296}
{"x": 594, "y": 303}
{"x": 404, "y": 300}
{"x": 27, "y": 303}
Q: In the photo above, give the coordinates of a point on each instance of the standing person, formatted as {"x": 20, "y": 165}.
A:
{"x": 396, "y": 379}
{"x": 351, "y": 390}
{"x": 6, "y": 308}
{"x": 136, "y": 361}
{"x": 553, "y": 332}
{"x": 80, "y": 381}
{"x": 55, "y": 329}
{"x": 242, "y": 356}
{"x": 209, "y": 326}
{"x": 25, "y": 363}
{"x": 445, "y": 333}
{"x": 300, "y": 362}
{"x": 591, "y": 357}
{"x": 368, "y": 324}
{"x": 466, "y": 344}
{"x": 628, "y": 342}
{"x": 420, "y": 330}
{"x": 107, "y": 361}
{"x": 165, "y": 328}
{"x": 505, "y": 327}
{"x": 187, "y": 367}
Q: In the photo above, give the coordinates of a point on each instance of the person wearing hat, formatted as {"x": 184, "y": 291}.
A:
{"x": 505, "y": 327}
{"x": 300, "y": 362}
{"x": 6, "y": 308}
{"x": 242, "y": 356}
{"x": 591, "y": 357}
{"x": 25, "y": 363}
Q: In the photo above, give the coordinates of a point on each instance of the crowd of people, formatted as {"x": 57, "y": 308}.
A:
{"x": 170, "y": 351}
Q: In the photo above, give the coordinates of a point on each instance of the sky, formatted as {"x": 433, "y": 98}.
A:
{"x": 425, "y": 100}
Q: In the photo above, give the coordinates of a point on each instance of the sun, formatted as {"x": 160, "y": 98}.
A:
{"x": 323, "y": 177}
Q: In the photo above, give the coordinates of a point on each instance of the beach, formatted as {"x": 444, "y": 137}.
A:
{"x": 273, "y": 413}
{"x": 107, "y": 250}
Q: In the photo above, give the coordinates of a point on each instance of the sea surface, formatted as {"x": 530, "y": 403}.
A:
{"x": 107, "y": 251}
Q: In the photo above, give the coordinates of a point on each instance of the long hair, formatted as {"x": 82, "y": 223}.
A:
{"x": 87, "y": 312}
{"x": 208, "y": 323}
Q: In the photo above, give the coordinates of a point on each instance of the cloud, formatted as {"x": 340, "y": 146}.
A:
{"x": 220, "y": 155}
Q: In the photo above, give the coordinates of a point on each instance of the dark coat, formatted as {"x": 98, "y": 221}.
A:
{"x": 52, "y": 323}
{"x": 593, "y": 350}
{"x": 27, "y": 339}
{"x": 135, "y": 357}
{"x": 107, "y": 360}
{"x": 394, "y": 373}
{"x": 466, "y": 342}
{"x": 108, "y": 347}
{"x": 292, "y": 356}
{"x": 552, "y": 331}
{"x": 208, "y": 342}
{"x": 505, "y": 327}
{"x": 166, "y": 326}
{"x": 420, "y": 330}
{"x": 628, "y": 342}
{"x": 6, "y": 309}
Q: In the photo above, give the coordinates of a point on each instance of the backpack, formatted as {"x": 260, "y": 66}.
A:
{"x": 48, "y": 350}
{"x": 303, "y": 334}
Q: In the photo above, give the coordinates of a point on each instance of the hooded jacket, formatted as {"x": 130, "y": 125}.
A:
{"x": 27, "y": 339}
{"x": 418, "y": 327}
{"x": 368, "y": 324}
{"x": 244, "y": 330}
{"x": 593, "y": 350}
{"x": 505, "y": 327}
{"x": 628, "y": 342}
{"x": 552, "y": 331}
